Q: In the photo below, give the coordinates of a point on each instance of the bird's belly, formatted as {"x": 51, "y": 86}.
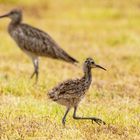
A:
{"x": 71, "y": 102}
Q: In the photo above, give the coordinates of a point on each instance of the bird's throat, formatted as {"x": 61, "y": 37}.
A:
{"x": 88, "y": 75}
{"x": 16, "y": 21}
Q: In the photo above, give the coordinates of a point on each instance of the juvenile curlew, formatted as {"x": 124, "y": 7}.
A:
{"x": 70, "y": 92}
{"x": 34, "y": 42}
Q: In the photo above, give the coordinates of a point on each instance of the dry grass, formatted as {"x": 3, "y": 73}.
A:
{"x": 109, "y": 32}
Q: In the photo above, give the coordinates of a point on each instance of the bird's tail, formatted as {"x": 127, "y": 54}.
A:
{"x": 52, "y": 96}
{"x": 66, "y": 57}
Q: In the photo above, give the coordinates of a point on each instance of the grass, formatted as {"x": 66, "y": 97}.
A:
{"x": 109, "y": 32}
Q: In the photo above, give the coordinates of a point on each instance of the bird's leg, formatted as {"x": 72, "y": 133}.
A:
{"x": 36, "y": 67}
{"x": 64, "y": 118}
{"x": 97, "y": 120}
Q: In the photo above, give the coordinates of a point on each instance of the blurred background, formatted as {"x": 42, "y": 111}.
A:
{"x": 106, "y": 30}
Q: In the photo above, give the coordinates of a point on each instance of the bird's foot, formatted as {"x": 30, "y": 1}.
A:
{"x": 63, "y": 122}
{"x": 35, "y": 73}
{"x": 98, "y": 121}
{"x": 32, "y": 75}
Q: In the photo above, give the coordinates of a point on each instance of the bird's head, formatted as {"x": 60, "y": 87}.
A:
{"x": 15, "y": 15}
{"x": 90, "y": 63}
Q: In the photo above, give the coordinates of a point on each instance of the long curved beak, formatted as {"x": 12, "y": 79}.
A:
{"x": 98, "y": 66}
{"x": 5, "y": 15}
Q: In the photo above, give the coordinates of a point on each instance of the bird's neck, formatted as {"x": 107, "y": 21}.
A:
{"x": 87, "y": 75}
{"x": 16, "y": 21}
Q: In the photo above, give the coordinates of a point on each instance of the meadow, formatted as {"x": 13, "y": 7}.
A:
{"x": 106, "y": 30}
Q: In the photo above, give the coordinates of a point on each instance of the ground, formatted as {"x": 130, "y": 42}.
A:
{"x": 108, "y": 31}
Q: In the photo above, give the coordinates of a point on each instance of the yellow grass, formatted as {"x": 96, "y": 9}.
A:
{"x": 106, "y": 30}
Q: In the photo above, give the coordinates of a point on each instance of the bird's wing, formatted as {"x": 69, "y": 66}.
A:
{"x": 39, "y": 42}
{"x": 67, "y": 89}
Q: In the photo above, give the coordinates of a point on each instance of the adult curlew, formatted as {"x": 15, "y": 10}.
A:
{"x": 70, "y": 92}
{"x": 34, "y": 42}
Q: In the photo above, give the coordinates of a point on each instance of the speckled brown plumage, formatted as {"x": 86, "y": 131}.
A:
{"x": 70, "y": 92}
{"x": 33, "y": 41}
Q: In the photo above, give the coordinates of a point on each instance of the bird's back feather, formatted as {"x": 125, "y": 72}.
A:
{"x": 38, "y": 42}
{"x": 69, "y": 89}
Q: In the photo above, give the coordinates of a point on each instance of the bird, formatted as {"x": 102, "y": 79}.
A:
{"x": 34, "y": 42}
{"x": 70, "y": 92}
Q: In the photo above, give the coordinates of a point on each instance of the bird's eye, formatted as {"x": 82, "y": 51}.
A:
{"x": 92, "y": 62}
{"x": 12, "y": 12}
